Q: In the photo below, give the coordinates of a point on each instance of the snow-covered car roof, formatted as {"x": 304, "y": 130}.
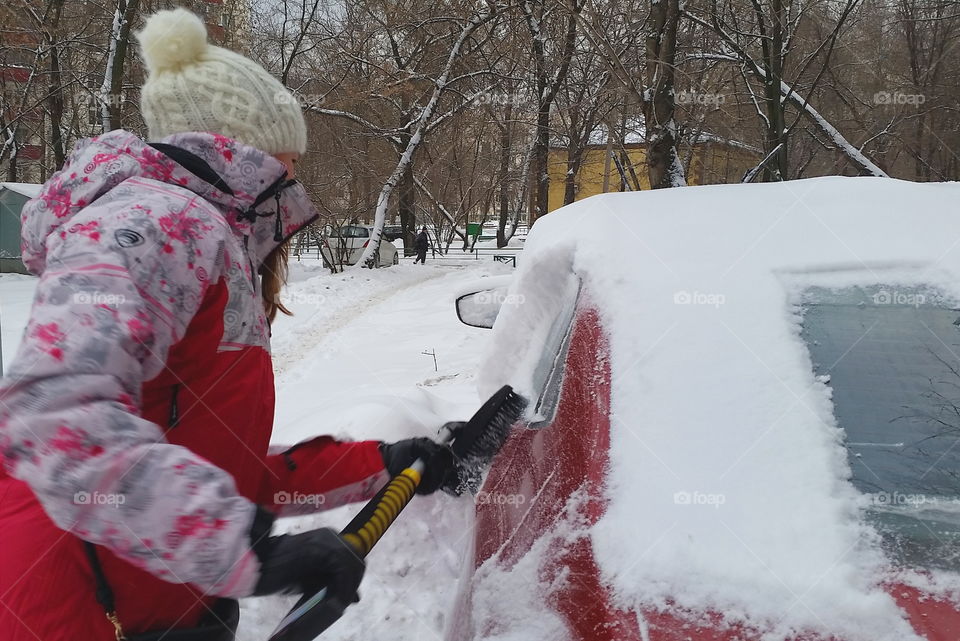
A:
{"x": 728, "y": 479}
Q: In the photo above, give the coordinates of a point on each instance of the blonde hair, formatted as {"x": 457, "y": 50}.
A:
{"x": 273, "y": 278}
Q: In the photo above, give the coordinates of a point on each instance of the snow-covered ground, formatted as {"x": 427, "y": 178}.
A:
{"x": 351, "y": 362}
{"x": 16, "y": 296}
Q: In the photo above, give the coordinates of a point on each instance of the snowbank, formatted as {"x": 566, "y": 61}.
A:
{"x": 728, "y": 479}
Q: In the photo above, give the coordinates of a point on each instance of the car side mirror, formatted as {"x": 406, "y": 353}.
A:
{"x": 480, "y": 309}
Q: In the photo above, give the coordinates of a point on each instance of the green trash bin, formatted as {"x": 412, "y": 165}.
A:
{"x": 13, "y": 196}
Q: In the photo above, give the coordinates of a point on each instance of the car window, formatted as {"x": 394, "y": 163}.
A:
{"x": 547, "y": 378}
{"x": 890, "y": 357}
{"x": 352, "y": 231}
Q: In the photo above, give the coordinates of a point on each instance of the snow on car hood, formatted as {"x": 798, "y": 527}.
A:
{"x": 728, "y": 479}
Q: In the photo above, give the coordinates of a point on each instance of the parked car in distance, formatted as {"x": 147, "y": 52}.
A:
{"x": 344, "y": 246}
{"x": 392, "y": 232}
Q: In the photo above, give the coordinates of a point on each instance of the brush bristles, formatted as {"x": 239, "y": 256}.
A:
{"x": 483, "y": 436}
{"x": 485, "y": 433}
{"x": 495, "y": 435}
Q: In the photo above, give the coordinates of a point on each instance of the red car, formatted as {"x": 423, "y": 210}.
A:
{"x": 746, "y": 420}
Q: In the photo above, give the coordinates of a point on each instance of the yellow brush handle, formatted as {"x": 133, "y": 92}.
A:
{"x": 382, "y": 510}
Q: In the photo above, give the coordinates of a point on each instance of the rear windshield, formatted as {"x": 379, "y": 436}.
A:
{"x": 354, "y": 232}
{"x": 890, "y": 355}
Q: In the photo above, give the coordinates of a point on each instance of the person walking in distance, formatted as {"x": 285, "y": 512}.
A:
{"x": 421, "y": 244}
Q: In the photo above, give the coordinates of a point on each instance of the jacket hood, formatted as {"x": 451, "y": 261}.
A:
{"x": 99, "y": 164}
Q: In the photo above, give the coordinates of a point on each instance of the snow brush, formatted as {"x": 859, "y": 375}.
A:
{"x": 474, "y": 445}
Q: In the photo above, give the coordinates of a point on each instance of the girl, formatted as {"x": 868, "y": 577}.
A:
{"x": 138, "y": 494}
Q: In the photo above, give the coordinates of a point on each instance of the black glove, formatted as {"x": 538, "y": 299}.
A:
{"x": 304, "y": 563}
{"x": 440, "y": 470}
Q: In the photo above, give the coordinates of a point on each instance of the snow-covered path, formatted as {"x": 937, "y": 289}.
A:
{"x": 323, "y": 304}
{"x": 353, "y": 355}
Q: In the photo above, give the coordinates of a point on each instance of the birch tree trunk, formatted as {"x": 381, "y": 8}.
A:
{"x": 664, "y": 168}
{"x": 111, "y": 91}
{"x": 504, "y": 200}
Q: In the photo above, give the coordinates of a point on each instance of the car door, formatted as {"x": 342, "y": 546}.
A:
{"x": 544, "y": 466}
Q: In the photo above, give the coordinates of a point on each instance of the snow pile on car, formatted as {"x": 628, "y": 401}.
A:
{"x": 728, "y": 479}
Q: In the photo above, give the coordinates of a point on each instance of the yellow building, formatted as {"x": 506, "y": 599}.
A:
{"x": 713, "y": 162}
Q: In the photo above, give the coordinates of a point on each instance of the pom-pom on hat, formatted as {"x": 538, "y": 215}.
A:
{"x": 195, "y": 86}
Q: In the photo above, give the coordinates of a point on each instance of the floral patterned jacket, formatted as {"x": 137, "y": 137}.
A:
{"x": 138, "y": 411}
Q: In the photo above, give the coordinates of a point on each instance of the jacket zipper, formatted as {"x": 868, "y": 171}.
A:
{"x": 174, "y": 418}
{"x": 253, "y": 271}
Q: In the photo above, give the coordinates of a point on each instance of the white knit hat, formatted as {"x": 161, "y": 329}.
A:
{"x": 195, "y": 86}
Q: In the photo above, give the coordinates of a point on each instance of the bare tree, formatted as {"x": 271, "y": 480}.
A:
{"x": 774, "y": 31}
{"x": 551, "y": 61}
{"x": 419, "y": 127}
